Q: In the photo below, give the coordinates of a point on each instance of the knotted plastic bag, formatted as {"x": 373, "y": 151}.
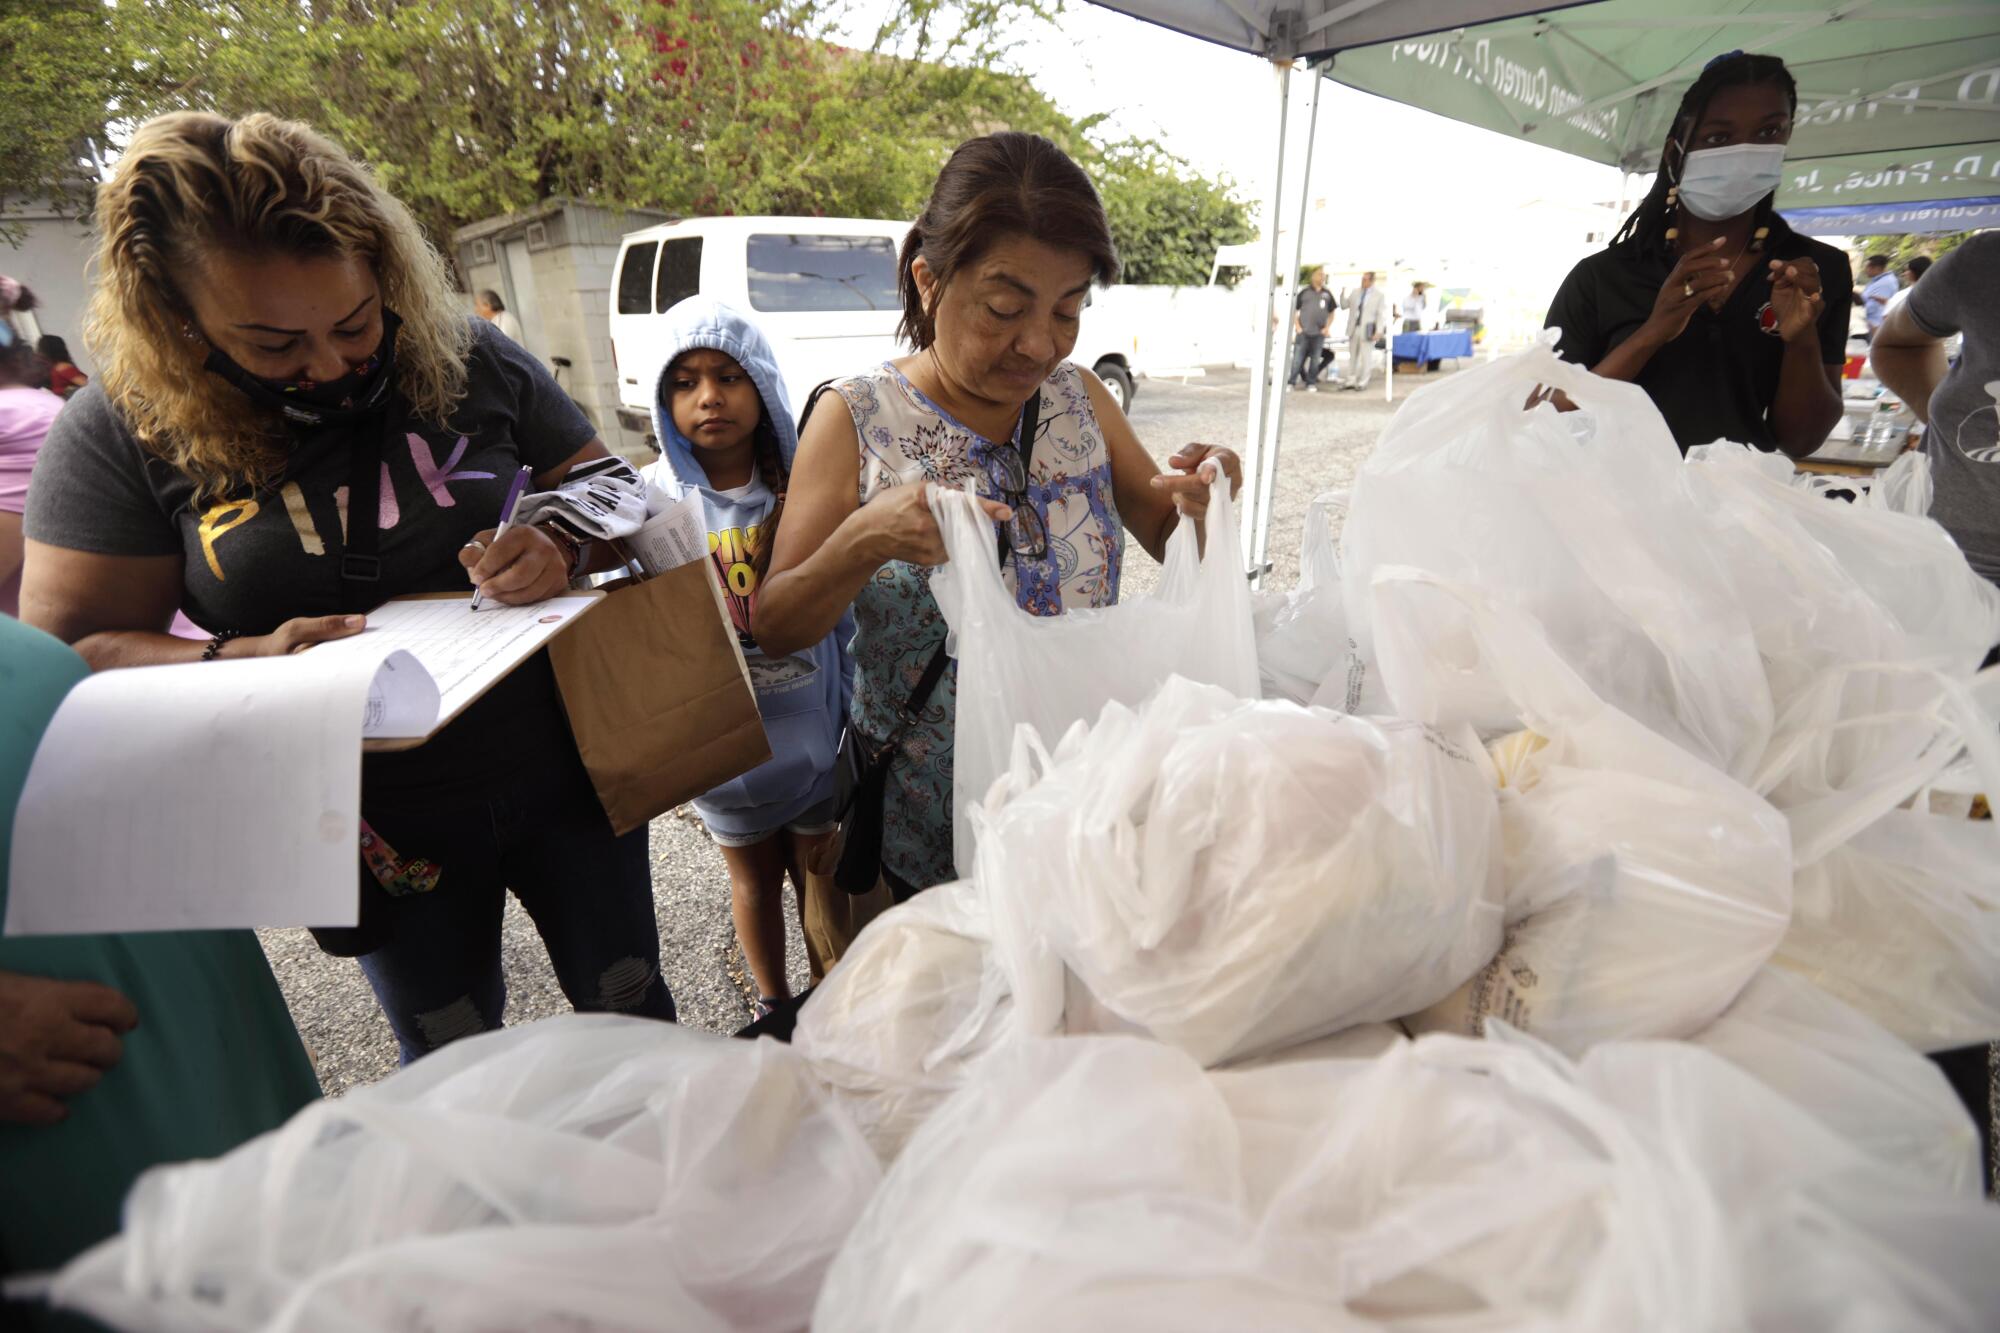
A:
{"x": 588, "y": 1172}
{"x": 1232, "y": 877}
{"x": 1643, "y": 888}
{"x": 918, "y": 998}
{"x": 1578, "y": 520}
{"x": 1446, "y": 1184}
{"x": 1851, "y": 1075}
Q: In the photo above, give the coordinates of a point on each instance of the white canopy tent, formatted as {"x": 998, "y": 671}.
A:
{"x": 1284, "y": 33}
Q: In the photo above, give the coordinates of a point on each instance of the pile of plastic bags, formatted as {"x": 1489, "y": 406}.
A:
{"x": 590, "y": 1172}
{"x": 1551, "y": 947}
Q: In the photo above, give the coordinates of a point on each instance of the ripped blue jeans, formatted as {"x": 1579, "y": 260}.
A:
{"x": 588, "y": 891}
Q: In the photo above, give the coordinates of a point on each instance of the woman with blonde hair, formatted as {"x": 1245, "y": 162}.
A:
{"x": 274, "y": 337}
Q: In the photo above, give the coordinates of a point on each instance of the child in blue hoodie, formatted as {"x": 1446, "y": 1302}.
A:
{"x": 726, "y": 432}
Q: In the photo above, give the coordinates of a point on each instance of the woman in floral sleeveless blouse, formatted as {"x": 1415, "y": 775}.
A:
{"x": 993, "y": 279}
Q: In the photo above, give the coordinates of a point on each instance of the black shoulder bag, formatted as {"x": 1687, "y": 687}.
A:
{"x": 863, "y": 764}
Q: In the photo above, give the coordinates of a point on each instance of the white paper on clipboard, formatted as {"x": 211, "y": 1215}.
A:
{"x": 465, "y": 652}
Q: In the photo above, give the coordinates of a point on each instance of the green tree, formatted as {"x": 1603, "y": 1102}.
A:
{"x": 1167, "y": 219}
{"x": 468, "y": 108}
{"x": 1903, "y": 247}
{"x": 64, "y": 80}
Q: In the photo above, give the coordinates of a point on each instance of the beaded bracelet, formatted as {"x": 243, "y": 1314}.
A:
{"x": 214, "y": 649}
{"x": 569, "y": 545}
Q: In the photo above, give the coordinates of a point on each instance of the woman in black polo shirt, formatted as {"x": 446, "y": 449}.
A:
{"x": 1734, "y": 324}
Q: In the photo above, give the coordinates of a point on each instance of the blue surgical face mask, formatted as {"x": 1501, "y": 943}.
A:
{"x": 1720, "y": 183}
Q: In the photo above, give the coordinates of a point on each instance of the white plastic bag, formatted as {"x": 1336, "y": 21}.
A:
{"x": 1578, "y": 520}
{"x": 1233, "y": 877}
{"x": 1906, "y": 566}
{"x": 919, "y": 997}
{"x": 1643, "y": 888}
{"x": 1903, "y": 923}
{"x": 1815, "y": 1232}
{"x": 1864, "y": 616}
{"x": 1903, "y": 487}
{"x": 1853, "y": 1076}
{"x": 1448, "y": 1184}
{"x": 588, "y": 1172}
{"x": 1302, "y": 638}
{"x": 1051, "y": 672}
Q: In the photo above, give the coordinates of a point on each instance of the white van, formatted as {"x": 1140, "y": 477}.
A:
{"x": 822, "y": 289}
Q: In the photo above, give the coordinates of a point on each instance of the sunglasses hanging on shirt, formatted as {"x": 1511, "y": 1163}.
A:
{"x": 1023, "y": 535}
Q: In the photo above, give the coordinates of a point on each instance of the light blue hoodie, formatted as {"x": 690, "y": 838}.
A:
{"x": 803, "y": 697}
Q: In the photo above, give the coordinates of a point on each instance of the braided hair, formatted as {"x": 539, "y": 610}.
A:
{"x": 1647, "y": 228}
{"x": 771, "y": 467}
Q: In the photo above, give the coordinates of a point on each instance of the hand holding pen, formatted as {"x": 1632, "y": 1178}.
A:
{"x": 514, "y": 565}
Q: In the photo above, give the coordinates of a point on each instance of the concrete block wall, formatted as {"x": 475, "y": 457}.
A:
{"x": 572, "y": 276}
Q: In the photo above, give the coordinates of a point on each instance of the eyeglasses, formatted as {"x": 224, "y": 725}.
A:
{"x": 1025, "y": 534}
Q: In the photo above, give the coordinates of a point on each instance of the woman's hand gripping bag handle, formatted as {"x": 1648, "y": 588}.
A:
{"x": 1052, "y": 672}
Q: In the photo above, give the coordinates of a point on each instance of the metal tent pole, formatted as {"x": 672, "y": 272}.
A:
{"x": 1260, "y": 368}
{"x": 1267, "y": 473}
{"x": 1389, "y": 340}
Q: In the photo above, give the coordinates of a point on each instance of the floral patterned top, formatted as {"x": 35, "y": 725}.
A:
{"x": 905, "y": 437}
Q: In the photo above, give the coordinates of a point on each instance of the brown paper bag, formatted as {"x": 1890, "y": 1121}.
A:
{"x": 658, "y": 695}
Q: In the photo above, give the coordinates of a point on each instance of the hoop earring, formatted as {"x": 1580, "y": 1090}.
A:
{"x": 1757, "y": 240}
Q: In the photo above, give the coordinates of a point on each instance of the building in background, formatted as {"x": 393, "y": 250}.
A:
{"x": 553, "y": 265}
{"x": 50, "y": 253}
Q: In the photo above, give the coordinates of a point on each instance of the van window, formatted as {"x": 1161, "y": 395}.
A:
{"x": 680, "y": 272}
{"x": 635, "y": 280}
{"x": 823, "y": 273}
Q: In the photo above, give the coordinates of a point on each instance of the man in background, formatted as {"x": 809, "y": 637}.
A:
{"x": 1367, "y": 320}
{"x": 1415, "y": 310}
{"x": 489, "y": 307}
{"x": 1311, "y": 313}
{"x": 1877, "y": 288}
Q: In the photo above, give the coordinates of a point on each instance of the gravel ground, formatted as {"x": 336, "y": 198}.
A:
{"x": 1326, "y": 436}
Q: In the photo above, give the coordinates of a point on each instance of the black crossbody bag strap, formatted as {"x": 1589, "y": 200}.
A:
{"x": 1031, "y": 418}
{"x": 360, "y": 565}
{"x": 1031, "y": 422}
{"x": 860, "y": 865}
{"x": 812, "y": 401}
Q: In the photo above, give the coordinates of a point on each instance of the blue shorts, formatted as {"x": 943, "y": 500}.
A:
{"x": 813, "y": 822}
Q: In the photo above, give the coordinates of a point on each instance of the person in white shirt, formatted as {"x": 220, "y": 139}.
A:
{"x": 1415, "y": 310}
{"x": 489, "y": 307}
{"x": 1880, "y": 287}
{"x": 1367, "y": 320}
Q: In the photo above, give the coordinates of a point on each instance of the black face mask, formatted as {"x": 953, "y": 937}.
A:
{"x": 359, "y": 393}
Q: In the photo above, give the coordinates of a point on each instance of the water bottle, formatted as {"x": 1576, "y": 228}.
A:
{"x": 1882, "y": 430}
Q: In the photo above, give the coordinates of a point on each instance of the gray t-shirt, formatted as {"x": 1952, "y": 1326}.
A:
{"x": 1961, "y": 294}
{"x": 1315, "y": 309}
{"x": 253, "y": 559}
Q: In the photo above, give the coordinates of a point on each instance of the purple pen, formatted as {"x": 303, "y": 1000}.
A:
{"x": 515, "y": 490}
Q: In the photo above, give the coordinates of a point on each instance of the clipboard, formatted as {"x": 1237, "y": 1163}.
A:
{"x": 463, "y": 652}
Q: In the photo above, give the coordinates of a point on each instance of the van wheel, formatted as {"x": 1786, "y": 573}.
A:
{"x": 1117, "y": 379}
